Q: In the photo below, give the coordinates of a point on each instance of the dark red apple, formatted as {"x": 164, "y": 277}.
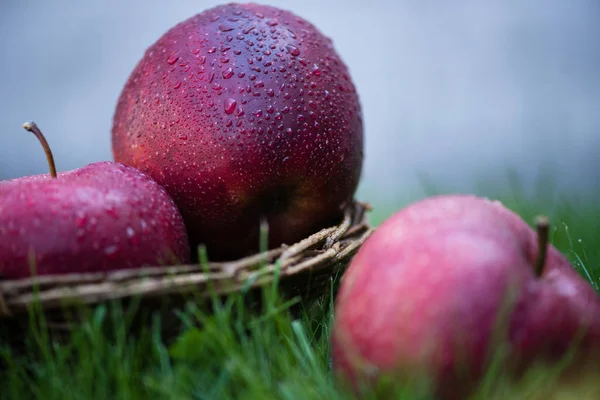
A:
{"x": 243, "y": 112}
{"x": 104, "y": 216}
{"x": 445, "y": 283}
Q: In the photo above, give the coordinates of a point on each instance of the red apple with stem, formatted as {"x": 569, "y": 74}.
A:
{"x": 104, "y": 216}
{"x": 244, "y": 112}
{"x": 450, "y": 282}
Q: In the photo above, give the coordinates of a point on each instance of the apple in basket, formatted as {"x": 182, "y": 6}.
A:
{"x": 445, "y": 283}
{"x": 101, "y": 217}
{"x": 244, "y": 112}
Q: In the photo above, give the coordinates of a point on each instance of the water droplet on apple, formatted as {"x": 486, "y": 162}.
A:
{"x": 110, "y": 210}
{"x": 248, "y": 30}
{"x": 111, "y": 251}
{"x": 229, "y": 105}
{"x": 228, "y": 73}
{"x": 316, "y": 71}
{"x": 225, "y": 28}
{"x": 173, "y": 57}
{"x": 81, "y": 220}
{"x": 130, "y": 232}
{"x": 293, "y": 50}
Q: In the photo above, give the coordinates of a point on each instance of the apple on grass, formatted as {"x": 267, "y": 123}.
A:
{"x": 244, "y": 112}
{"x": 104, "y": 216}
{"x": 450, "y": 282}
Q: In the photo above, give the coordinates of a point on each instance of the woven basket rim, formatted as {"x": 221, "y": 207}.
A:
{"x": 322, "y": 250}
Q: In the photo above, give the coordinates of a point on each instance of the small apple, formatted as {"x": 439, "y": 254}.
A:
{"x": 244, "y": 112}
{"x": 449, "y": 282}
{"x": 101, "y": 217}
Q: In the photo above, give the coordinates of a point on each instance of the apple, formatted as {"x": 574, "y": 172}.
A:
{"x": 244, "y": 112}
{"x": 101, "y": 217}
{"x": 448, "y": 283}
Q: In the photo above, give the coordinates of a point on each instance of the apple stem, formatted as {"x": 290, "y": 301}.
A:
{"x": 33, "y": 128}
{"x": 542, "y": 224}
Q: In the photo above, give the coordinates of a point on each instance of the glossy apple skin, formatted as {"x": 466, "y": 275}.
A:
{"x": 423, "y": 295}
{"x": 240, "y": 112}
{"x": 102, "y": 217}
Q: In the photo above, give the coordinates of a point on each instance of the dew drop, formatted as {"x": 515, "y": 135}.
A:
{"x": 81, "y": 220}
{"x": 173, "y": 57}
{"x": 229, "y": 105}
{"x": 111, "y": 251}
{"x": 293, "y": 50}
{"x": 228, "y": 73}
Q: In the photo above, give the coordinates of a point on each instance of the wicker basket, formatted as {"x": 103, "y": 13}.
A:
{"x": 303, "y": 269}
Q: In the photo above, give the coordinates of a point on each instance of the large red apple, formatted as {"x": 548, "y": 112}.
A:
{"x": 101, "y": 217}
{"x": 444, "y": 283}
{"x": 242, "y": 112}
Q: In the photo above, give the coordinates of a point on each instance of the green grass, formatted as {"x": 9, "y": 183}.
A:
{"x": 227, "y": 352}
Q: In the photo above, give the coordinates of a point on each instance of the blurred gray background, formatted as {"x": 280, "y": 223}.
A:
{"x": 459, "y": 91}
